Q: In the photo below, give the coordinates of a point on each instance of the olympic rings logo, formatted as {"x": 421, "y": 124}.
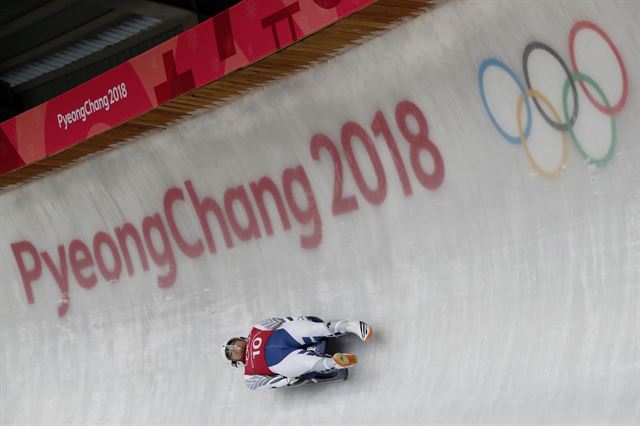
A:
{"x": 572, "y": 76}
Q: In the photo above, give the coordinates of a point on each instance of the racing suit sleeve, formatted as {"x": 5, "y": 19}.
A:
{"x": 269, "y": 382}
{"x": 276, "y": 322}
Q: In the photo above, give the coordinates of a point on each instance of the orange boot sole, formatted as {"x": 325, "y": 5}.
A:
{"x": 345, "y": 360}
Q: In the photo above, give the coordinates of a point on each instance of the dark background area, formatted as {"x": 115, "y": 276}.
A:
{"x": 47, "y": 47}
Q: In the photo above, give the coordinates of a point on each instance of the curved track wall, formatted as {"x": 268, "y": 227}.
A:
{"x": 389, "y": 184}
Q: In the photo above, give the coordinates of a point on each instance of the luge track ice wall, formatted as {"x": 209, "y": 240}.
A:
{"x": 469, "y": 183}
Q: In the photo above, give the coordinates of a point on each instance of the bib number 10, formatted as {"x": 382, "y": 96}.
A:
{"x": 255, "y": 344}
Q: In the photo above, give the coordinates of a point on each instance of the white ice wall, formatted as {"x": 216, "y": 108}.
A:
{"x": 499, "y": 296}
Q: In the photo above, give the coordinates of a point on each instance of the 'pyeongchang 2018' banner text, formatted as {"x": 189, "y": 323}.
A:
{"x": 241, "y": 213}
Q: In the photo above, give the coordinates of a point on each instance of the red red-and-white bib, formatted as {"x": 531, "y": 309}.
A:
{"x": 255, "y": 362}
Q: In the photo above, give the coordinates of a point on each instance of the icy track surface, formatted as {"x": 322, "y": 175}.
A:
{"x": 503, "y": 286}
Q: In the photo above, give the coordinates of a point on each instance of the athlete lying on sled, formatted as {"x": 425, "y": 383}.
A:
{"x": 283, "y": 352}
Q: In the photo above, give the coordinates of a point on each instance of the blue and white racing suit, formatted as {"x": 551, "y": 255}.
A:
{"x": 281, "y": 350}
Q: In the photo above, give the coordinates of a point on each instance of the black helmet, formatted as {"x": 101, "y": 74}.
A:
{"x": 227, "y": 347}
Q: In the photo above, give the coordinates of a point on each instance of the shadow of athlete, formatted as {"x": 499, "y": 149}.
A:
{"x": 281, "y": 352}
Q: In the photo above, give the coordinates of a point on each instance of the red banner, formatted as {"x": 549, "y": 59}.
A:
{"x": 243, "y": 34}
